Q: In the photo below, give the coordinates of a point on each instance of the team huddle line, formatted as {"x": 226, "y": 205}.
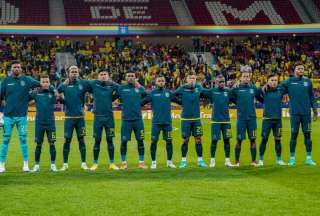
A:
{"x": 16, "y": 94}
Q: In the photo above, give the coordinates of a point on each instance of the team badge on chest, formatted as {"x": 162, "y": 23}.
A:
{"x": 167, "y": 94}
{"x": 22, "y": 83}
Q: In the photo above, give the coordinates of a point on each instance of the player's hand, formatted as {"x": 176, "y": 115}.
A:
{"x": 236, "y": 84}
{"x": 137, "y": 84}
{"x": 66, "y": 82}
{"x": 264, "y": 88}
{"x": 315, "y": 116}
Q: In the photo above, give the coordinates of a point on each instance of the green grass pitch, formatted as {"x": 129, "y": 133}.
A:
{"x": 270, "y": 190}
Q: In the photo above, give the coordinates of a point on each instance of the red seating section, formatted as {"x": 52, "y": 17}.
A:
{"x": 25, "y": 12}
{"x": 284, "y": 9}
{"x": 127, "y": 12}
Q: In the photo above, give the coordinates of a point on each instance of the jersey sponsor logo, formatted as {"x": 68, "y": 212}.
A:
{"x": 157, "y": 95}
{"x": 10, "y": 84}
{"x": 125, "y": 90}
{"x": 22, "y": 83}
{"x": 167, "y": 94}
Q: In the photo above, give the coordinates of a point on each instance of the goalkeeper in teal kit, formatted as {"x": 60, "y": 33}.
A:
{"x": 15, "y": 93}
{"x": 301, "y": 100}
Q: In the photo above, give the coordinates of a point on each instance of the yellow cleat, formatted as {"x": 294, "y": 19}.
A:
{"x": 94, "y": 167}
{"x": 124, "y": 166}
{"x": 113, "y": 167}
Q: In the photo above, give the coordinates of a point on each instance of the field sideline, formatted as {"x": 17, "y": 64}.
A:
{"x": 270, "y": 190}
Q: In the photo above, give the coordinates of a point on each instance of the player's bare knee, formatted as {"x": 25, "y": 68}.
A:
{"x": 186, "y": 140}
{"x": 197, "y": 140}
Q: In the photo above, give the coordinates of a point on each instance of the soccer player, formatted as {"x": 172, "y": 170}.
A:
{"x": 131, "y": 95}
{"x": 74, "y": 90}
{"x": 45, "y": 123}
{"x": 103, "y": 91}
{"x": 190, "y": 94}
{"x": 220, "y": 99}
{"x": 244, "y": 98}
{"x": 160, "y": 99}
{"x": 301, "y": 96}
{"x": 15, "y": 92}
{"x": 271, "y": 97}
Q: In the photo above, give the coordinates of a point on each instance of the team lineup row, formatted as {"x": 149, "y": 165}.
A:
{"x": 15, "y": 93}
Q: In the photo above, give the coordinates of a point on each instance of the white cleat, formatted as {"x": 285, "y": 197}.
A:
{"x": 64, "y": 167}
{"x": 260, "y": 164}
{"x": 171, "y": 165}
{"x": 212, "y": 163}
{"x": 36, "y": 168}
{"x": 228, "y": 164}
{"x": 84, "y": 166}
{"x": 281, "y": 163}
{"x": 153, "y": 165}
{"x": 53, "y": 168}
{"x": 2, "y": 168}
{"x": 25, "y": 167}
{"x": 94, "y": 167}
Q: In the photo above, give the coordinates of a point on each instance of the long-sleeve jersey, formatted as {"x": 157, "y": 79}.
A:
{"x": 190, "y": 101}
{"x": 301, "y": 95}
{"x": 160, "y": 99}
{"x": 131, "y": 99}
{"x": 272, "y": 101}
{"x": 220, "y": 99}
{"x": 243, "y": 97}
{"x": 45, "y": 101}
{"x": 103, "y": 95}
{"x": 15, "y": 93}
{"x": 74, "y": 97}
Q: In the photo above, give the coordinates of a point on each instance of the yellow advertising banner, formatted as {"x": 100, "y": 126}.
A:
{"x": 147, "y": 114}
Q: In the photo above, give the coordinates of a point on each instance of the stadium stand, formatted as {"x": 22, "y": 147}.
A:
{"x": 24, "y": 12}
{"x": 115, "y": 12}
{"x": 231, "y": 12}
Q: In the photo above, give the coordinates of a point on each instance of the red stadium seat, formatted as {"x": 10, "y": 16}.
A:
{"x": 25, "y": 12}
{"x": 233, "y": 12}
{"x": 111, "y": 12}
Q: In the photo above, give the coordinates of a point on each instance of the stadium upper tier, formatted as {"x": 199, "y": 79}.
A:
{"x": 158, "y": 12}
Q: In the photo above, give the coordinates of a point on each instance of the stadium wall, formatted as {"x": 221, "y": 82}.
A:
{"x": 304, "y": 29}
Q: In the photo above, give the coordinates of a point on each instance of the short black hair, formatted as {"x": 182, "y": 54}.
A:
{"x": 15, "y": 62}
{"x": 159, "y": 76}
{"x": 44, "y": 76}
{"x": 104, "y": 70}
{"x": 191, "y": 73}
{"x": 296, "y": 64}
{"x": 271, "y": 75}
